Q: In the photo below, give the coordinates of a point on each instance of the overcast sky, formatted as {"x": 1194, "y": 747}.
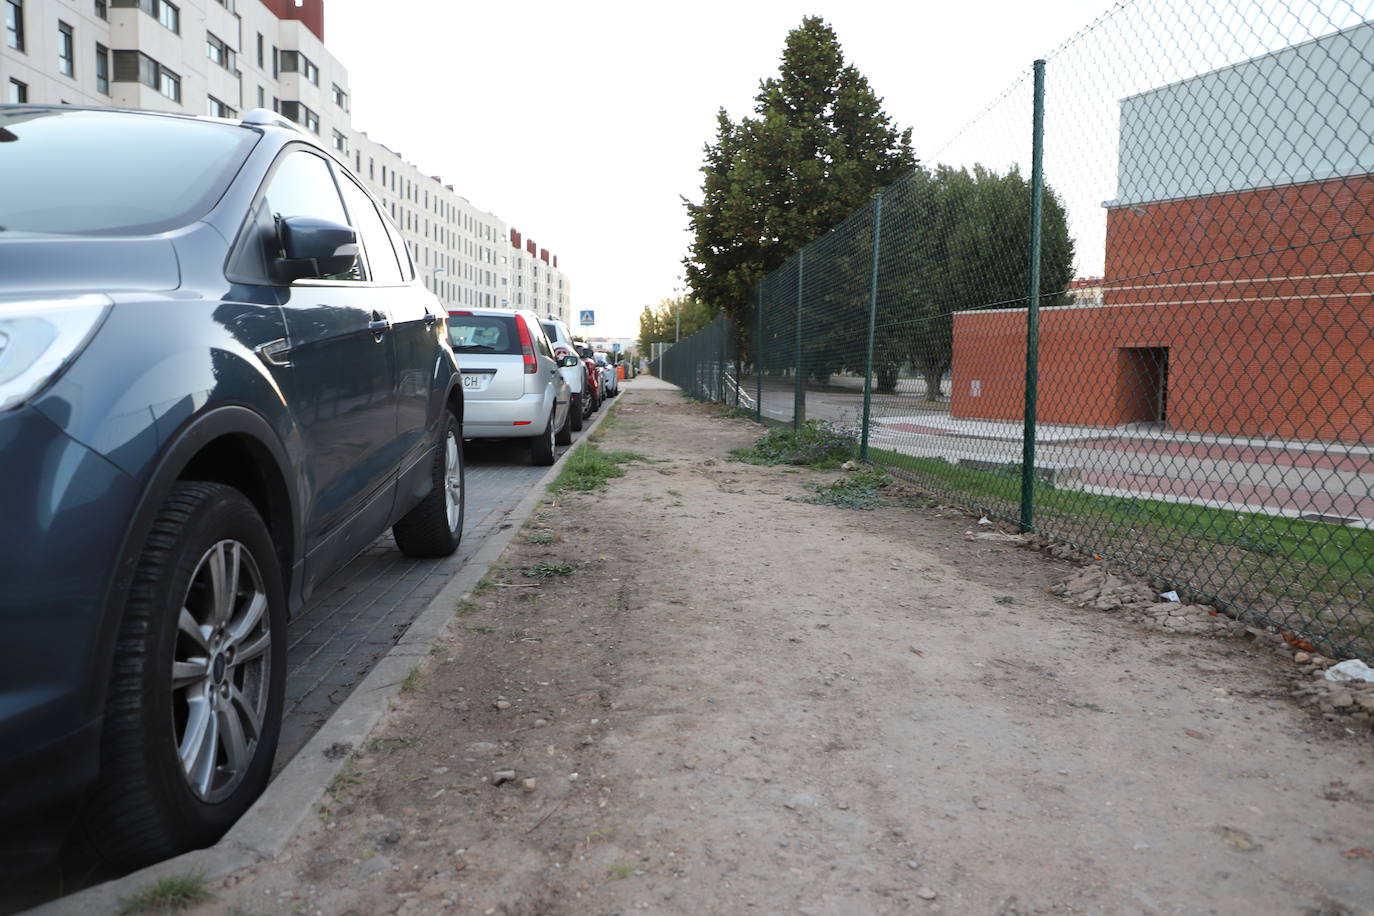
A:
{"x": 582, "y": 123}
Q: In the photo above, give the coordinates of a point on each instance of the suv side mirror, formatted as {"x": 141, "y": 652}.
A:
{"x": 570, "y": 361}
{"x": 314, "y": 248}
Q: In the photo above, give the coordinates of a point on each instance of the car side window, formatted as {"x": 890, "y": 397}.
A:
{"x": 371, "y": 232}
{"x": 541, "y": 340}
{"x": 402, "y": 252}
{"x": 303, "y": 185}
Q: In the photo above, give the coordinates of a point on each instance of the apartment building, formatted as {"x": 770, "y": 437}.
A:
{"x": 226, "y": 57}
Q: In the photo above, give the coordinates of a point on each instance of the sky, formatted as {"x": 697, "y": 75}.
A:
{"x": 582, "y": 124}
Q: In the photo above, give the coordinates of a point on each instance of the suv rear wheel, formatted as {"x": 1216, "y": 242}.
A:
{"x": 194, "y": 704}
{"x": 434, "y": 528}
{"x": 575, "y": 413}
{"x": 542, "y": 451}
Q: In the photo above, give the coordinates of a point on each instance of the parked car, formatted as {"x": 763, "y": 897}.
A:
{"x": 576, "y": 374}
{"x": 597, "y": 391}
{"x": 511, "y": 381}
{"x": 219, "y": 381}
{"x": 610, "y": 380}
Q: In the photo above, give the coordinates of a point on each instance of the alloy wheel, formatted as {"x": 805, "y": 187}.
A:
{"x": 220, "y": 671}
{"x": 453, "y": 480}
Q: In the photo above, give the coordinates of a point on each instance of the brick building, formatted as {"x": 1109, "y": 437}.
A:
{"x": 1238, "y": 288}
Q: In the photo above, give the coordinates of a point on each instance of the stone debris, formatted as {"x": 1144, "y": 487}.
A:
{"x": 1099, "y": 588}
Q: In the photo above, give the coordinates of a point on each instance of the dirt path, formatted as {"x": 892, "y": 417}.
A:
{"x": 738, "y": 703}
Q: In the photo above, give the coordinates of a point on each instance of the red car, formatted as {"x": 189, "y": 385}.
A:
{"x": 595, "y": 393}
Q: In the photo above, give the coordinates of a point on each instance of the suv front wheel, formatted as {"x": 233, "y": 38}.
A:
{"x": 194, "y": 704}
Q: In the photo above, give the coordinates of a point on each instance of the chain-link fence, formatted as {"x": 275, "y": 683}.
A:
{"x": 1191, "y": 392}
{"x": 704, "y": 365}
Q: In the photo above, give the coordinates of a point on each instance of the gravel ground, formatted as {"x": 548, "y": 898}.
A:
{"x": 735, "y": 701}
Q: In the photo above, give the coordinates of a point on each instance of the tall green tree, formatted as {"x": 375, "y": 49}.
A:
{"x": 659, "y": 324}
{"x": 960, "y": 239}
{"x": 816, "y": 148}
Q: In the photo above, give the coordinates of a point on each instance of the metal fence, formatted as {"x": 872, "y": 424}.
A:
{"x": 704, "y": 365}
{"x": 1132, "y": 309}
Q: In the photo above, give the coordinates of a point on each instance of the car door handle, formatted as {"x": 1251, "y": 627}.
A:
{"x": 379, "y": 325}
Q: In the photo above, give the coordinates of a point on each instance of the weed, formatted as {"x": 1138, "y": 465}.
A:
{"x": 412, "y": 681}
{"x": 483, "y": 586}
{"x": 674, "y": 493}
{"x": 859, "y": 490}
{"x": 482, "y": 629}
{"x": 1005, "y": 599}
{"x": 815, "y": 444}
{"x": 736, "y": 413}
{"x": 465, "y": 608}
{"x": 588, "y": 468}
{"x": 541, "y": 537}
{"x": 169, "y": 895}
{"x": 620, "y": 870}
{"x": 546, "y": 570}
{"x": 392, "y": 745}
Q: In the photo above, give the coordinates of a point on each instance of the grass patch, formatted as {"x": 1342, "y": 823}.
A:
{"x": 815, "y": 445}
{"x": 1319, "y": 575}
{"x": 541, "y": 537}
{"x": 589, "y": 467}
{"x": 736, "y": 413}
{"x": 862, "y": 489}
{"x": 482, "y": 629}
{"x": 547, "y": 570}
{"x": 169, "y": 895}
{"x": 412, "y": 681}
{"x": 392, "y": 745}
{"x": 620, "y": 870}
{"x": 483, "y": 586}
{"x": 465, "y": 608}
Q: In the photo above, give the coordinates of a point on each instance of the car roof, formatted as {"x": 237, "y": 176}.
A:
{"x": 259, "y": 119}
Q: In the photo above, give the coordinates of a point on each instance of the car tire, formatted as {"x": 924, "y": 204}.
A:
{"x": 194, "y": 705}
{"x": 575, "y": 413}
{"x": 542, "y": 451}
{"x": 434, "y": 527}
{"x": 564, "y": 434}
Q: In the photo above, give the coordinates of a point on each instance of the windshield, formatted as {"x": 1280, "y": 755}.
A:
{"x": 74, "y": 172}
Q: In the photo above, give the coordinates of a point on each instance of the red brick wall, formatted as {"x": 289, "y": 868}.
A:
{"x": 310, "y": 13}
{"x": 1263, "y": 299}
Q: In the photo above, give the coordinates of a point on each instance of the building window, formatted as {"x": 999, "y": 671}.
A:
{"x": 340, "y": 97}
{"x": 217, "y": 109}
{"x": 170, "y": 16}
{"x": 102, "y": 10}
{"x": 102, "y": 69}
{"x": 66, "y": 50}
{"x": 260, "y": 54}
{"x": 166, "y": 13}
{"x": 14, "y": 24}
{"x": 19, "y": 92}
{"x": 296, "y": 62}
{"x": 219, "y": 52}
{"x": 340, "y": 143}
{"x": 301, "y": 115}
{"x": 262, "y": 97}
{"x": 169, "y": 84}
{"x": 137, "y": 67}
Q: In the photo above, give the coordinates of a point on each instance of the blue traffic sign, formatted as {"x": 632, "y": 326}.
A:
{"x": 587, "y": 316}
{"x": 615, "y": 348}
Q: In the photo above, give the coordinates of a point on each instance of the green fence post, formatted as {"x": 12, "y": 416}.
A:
{"x": 758, "y": 355}
{"x": 720, "y": 381}
{"x": 872, "y": 322}
{"x": 798, "y": 398}
{"x": 1033, "y": 301}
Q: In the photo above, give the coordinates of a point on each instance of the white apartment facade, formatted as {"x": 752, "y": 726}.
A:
{"x": 225, "y": 57}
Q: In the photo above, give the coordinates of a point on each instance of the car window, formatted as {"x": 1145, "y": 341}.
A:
{"x": 112, "y": 173}
{"x": 483, "y": 333}
{"x": 381, "y": 258}
{"x": 550, "y": 330}
{"x": 541, "y": 341}
{"x": 302, "y": 185}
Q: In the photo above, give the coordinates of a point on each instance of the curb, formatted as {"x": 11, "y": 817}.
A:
{"x": 278, "y": 814}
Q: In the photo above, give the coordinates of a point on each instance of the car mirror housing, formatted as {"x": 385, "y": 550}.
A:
{"x": 313, "y": 248}
{"x": 569, "y": 361}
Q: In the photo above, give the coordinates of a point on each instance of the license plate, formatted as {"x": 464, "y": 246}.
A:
{"x": 476, "y": 382}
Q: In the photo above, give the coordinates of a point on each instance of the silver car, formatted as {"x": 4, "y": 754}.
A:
{"x": 512, "y": 383}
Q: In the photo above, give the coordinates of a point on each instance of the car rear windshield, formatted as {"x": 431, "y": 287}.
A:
{"x": 483, "y": 333}
{"x": 111, "y": 173}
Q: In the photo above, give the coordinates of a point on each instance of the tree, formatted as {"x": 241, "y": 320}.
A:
{"x": 659, "y": 324}
{"x": 816, "y": 149}
{"x": 963, "y": 243}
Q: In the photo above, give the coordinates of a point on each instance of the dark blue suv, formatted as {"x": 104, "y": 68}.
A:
{"x": 219, "y": 381}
